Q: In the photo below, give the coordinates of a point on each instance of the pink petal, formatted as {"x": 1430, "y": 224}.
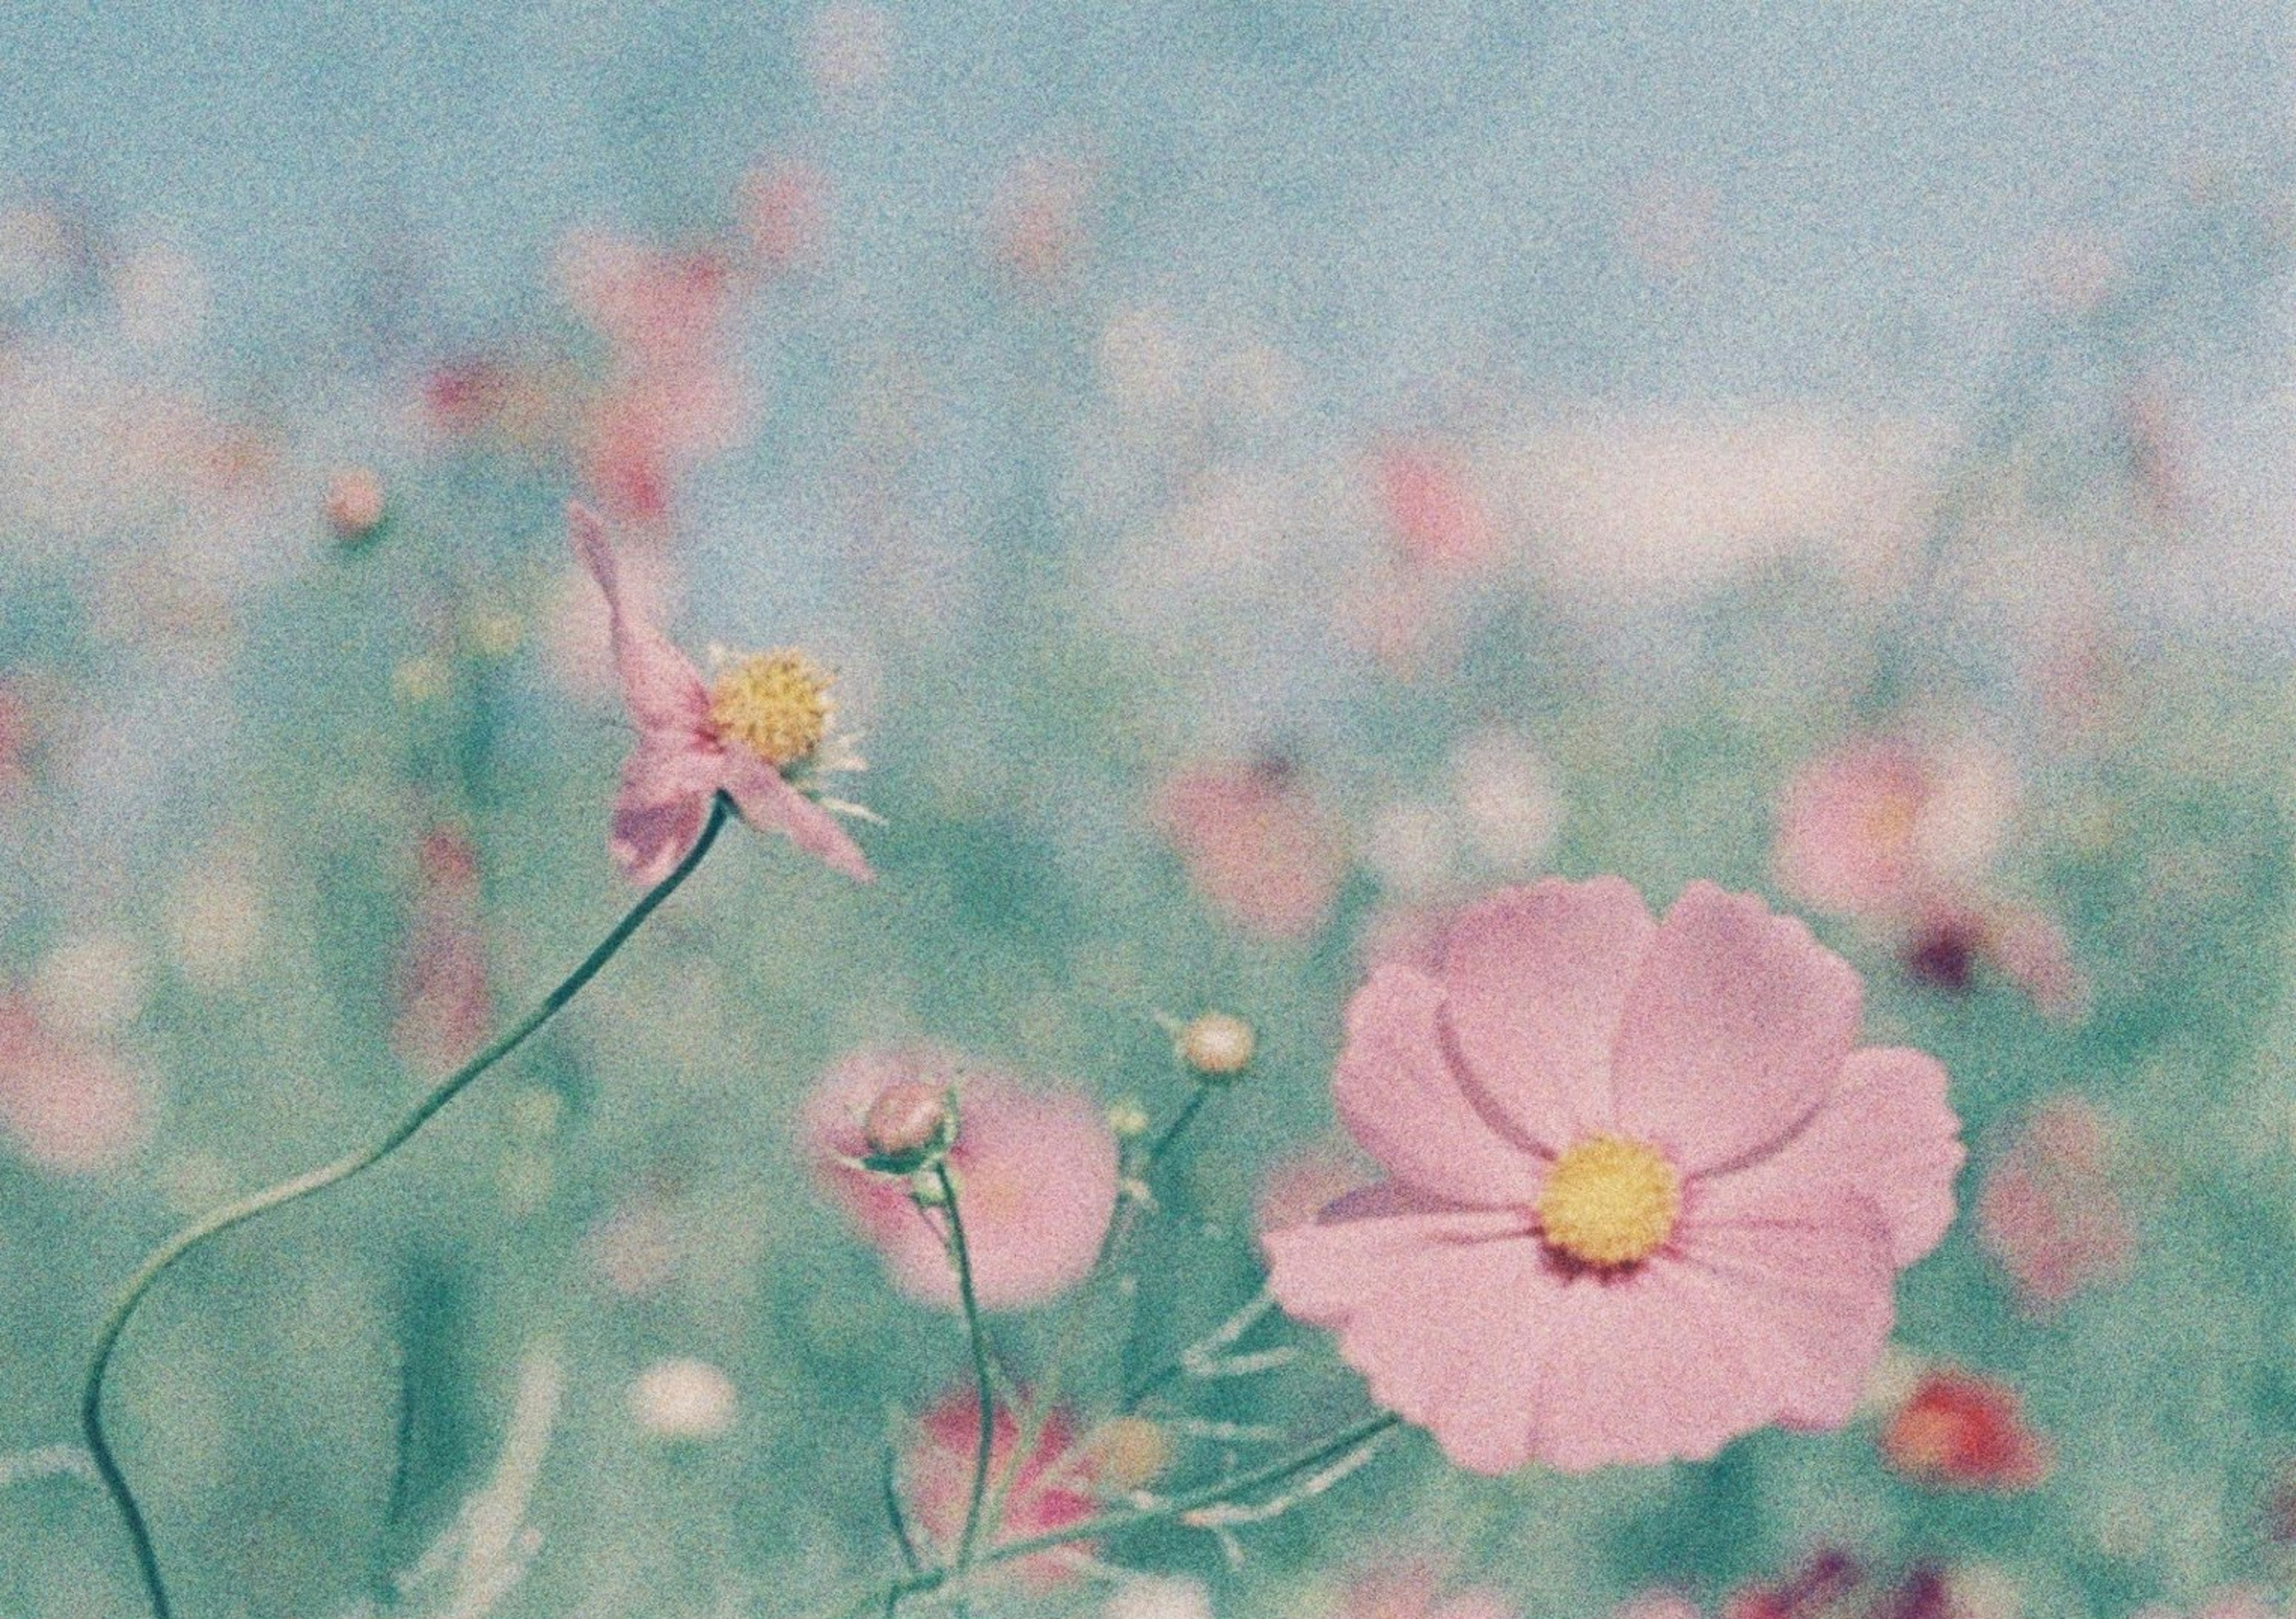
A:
{"x": 771, "y": 805}
{"x": 661, "y": 688}
{"x": 1428, "y": 1304}
{"x": 1538, "y": 978}
{"x": 1886, "y": 1134}
{"x": 1803, "y": 1284}
{"x": 666, "y": 789}
{"x": 1403, "y": 1098}
{"x": 1735, "y": 1031}
{"x": 1462, "y": 1322}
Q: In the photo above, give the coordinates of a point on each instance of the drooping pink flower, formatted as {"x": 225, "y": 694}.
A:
{"x": 2051, "y": 1214}
{"x": 1881, "y": 825}
{"x": 1255, "y": 845}
{"x": 1962, "y": 1431}
{"x": 1051, "y": 1489}
{"x": 1645, "y": 1193}
{"x": 764, "y": 717}
{"x": 1036, "y": 1174}
{"x": 444, "y": 1006}
{"x": 66, "y": 1104}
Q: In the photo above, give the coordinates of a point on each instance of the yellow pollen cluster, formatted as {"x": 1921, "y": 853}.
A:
{"x": 775, "y": 704}
{"x": 1609, "y": 1202}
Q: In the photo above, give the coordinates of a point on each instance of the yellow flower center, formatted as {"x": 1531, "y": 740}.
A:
{"x": 775, "y": 704}
{"x": 1609, "y": 1202}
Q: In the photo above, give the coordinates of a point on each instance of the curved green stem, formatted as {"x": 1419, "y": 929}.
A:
{"x": 984, "y": 1449}
{"x": 217, "y": 1221}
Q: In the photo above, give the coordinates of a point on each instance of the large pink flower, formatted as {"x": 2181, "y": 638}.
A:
{"x": 1034, "y": 1173}
{"x": 1645, "y": 1191}
{"x": 764, "y": 717}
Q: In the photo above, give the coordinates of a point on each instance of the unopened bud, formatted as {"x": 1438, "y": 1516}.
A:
{"x": 1217, "y": 1045}
{"x": 355, "y": 505}
{"x": 1127, "y": 1120}
{"x": 909, "y": 1127}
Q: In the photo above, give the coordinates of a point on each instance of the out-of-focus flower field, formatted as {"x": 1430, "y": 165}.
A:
{"x": 1262, "y": 479}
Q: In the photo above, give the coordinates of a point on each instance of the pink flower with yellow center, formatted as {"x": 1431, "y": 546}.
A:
{"x": 1882, "y": 824}
{"x": 759, "y": 732}
{"x": 1645, "y": 1191}
{"x": 1034, "y": 1171}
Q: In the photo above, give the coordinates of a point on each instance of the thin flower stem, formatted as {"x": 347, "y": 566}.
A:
{"x": 1119, "y": 1230}
{"x": 1218, "y": 1493}
{"x": 983, "y": 1377}
{"x": 899, "y": 1520}
{"x": 218, "y": 1221}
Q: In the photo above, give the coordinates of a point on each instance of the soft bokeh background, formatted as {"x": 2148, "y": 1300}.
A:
{"x": 1263, "y": 473}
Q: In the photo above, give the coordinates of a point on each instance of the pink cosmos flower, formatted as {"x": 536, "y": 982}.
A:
{"x": 1050, "y": 1490}
{"x": 1035, "y": 1177}
{"x": 740, "y": 735}
{"x": 1878, "y": 826}
{"x": 1645, "y": 1191}
{"x": 2051, "y": 1212}
{"x": 1255, "y": 846}
{"x": 67, "y": 1105}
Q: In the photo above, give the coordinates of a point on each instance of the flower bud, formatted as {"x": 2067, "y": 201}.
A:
{"x": 1217, "y": 1045}
{"x": 909, "y": 1127}
{"x": 355, "y": 505}
{"x": 1128, "y": 1454}
{"x": 1128, "y": 1119}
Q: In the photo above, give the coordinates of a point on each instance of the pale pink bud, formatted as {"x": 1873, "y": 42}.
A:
{"x": 908, "y": 1124}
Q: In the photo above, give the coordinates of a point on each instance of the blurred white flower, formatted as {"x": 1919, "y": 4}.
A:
{"x": 1159, "y": 1598}
{"x": 1413, "y": 848}
{"x": 215, "y": 918}
{"x": 1506, "y": 800}
{"x": 92, "y": 983}
{"x": 1618, "y": 504}
{"x": 683, "y": 1398}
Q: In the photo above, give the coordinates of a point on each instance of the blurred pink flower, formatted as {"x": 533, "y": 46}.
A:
{"x": 1961, "y": 1431}
{"x": 1824, "y": 1580}
{"x": 1255, "y": 845}
{"x": 1432, "y": 511}
{"x": 1646, "y": 1192}
{"x": 1415, "y": 1591}
{"x": 739, "y": 736}
{"x": 1036, "y": 223}
{"x": 2051, "y": 1212}
{"x": 16, "y": 738}
{"x": 670, "y": 400}
{"x": 69, "y": 1106}
{"x": 1881, "y": 824}
{"x": 1034, "y": 1171}
{"x": 445, "y": 1007}
{"x": 1051, "y": 1489}
{"x": 784, "y": 206}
